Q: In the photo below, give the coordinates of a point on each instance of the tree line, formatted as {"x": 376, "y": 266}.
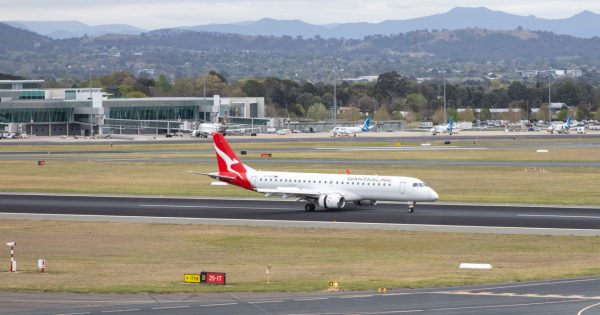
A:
{"x": 392, "y": 96}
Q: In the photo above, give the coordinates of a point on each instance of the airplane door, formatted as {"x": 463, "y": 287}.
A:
{"x": 253, "y": 181}
{"x": 402, "y": 187}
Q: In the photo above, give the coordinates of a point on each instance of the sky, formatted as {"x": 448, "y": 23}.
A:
{"x": 154, "y": 14}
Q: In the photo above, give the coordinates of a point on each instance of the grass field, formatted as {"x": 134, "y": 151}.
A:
{"x": 133, "y": 258}
{"x": 454, "y": 184}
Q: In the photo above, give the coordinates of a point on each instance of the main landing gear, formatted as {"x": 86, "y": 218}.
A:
{"x": 411, "y": 207}
{"x": 309, "y": 207}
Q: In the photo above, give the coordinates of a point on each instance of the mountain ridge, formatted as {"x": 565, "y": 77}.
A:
{"x": 578, "y": 25}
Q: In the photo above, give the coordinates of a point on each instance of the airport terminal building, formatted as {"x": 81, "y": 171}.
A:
{"x": 26, "y": 107}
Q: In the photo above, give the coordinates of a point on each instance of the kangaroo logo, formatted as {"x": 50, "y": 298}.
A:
{"x": 228, "y": 161}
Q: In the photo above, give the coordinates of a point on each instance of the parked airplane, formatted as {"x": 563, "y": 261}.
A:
{"x": 346, "y": 131}
{"x": 447, "y": 128}
{"x": 208, "y": 129}
{"x": 561, "y": 128}
{"x": 329, "y": 191}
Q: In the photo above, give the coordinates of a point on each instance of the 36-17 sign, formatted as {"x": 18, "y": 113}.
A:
{"x": 212, "y": 277}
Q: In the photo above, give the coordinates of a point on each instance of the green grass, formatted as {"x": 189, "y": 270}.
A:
{"x": 134, "y": 258}
{"x": 556, "y": 185}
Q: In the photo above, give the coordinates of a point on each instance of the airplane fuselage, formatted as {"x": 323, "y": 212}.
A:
{"x": 352, "y": 187}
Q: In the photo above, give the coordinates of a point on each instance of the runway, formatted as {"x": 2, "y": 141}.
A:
{"x": 546, "y": 220}
{"x": 405, "y": 136}
{"x": 579, "y": 296}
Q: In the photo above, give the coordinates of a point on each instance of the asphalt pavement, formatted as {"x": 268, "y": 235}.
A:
{"x": 518, "y": 219}
{"x": 580, "y": 296}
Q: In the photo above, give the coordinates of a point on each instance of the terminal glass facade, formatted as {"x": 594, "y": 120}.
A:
{"x": 153, "y": 112}
{"x": 38, "y": 115}
{"x": 32, "y": 95}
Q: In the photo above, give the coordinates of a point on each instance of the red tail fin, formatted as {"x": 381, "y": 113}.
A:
{"x": 229, "y": 164}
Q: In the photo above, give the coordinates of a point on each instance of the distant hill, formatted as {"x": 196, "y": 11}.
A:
{"x": 470, "y": 53}
{"x": 582, "y": 25}
{"x": 14, "y": 39}
{"x": 70, "y": 29}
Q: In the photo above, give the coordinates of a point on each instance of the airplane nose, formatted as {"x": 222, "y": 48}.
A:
{"x": 434, "y": 195}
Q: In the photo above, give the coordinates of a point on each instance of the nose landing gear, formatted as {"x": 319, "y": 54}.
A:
{"x": 411, "y": 207}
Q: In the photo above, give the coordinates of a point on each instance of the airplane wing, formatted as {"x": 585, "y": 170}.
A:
{"x": 305, "y": 193}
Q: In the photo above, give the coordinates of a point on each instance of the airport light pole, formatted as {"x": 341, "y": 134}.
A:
{"x": 444, "y": 72}
{"x": 334, "y": 101}
{"x": 549, "y": 95}
{"x": 91, "y": 106}
{"x": 203, "y": 100}
{"x": 335, "y": 96}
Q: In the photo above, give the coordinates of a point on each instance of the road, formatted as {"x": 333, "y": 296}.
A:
{"x": 428, "y": 217}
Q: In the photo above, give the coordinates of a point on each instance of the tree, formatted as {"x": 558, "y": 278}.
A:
{"x": 297, "y": 110}
{"x": 517, "y": 91}
{"x": 254, "y": 88}
{"x": 317, "y": 112}
{"x": 218, "y": 75}
{"x": 568, "y": 93}
{"x": 562, "y": 114}
{"x": 163, "y": 85}
{"x": 467, "y": 115}
{"x": 485, "y": 114}
{"x": 350, "y": 114}
{"x": 389, "y": 87}
{"x": 135, "y": 94}
{"x": 415, "y": 101}
{"x": 542, "y": 113}
{"x": 383, "y": 113}
{"x": 583, "y": 112}
{"x": 367, "y": 104}
{"x": 438, "y": 116}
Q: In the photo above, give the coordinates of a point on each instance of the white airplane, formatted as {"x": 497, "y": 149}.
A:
{"x": 346, "y": 131}
{"x": 561, "y": 128}
{"x": 208, "y": 129}
{"x": 329, "y": 191}
{"x": 447, "y": 128}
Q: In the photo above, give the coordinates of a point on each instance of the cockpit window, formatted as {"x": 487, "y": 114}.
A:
{"x": 415, "y": 184}
{"x": 419, "y": 185}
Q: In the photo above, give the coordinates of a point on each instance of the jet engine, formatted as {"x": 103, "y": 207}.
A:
{"x": 334, "y": 201}
{"x": 365, "y": 202}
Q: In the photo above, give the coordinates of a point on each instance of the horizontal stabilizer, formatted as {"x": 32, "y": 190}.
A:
{"x": 218, "y": 184}
{"x": 217, "y": 176}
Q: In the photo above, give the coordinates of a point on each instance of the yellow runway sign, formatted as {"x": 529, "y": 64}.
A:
{"x": 188, "y": 278}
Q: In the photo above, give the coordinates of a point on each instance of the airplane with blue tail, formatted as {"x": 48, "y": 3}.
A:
{"x": 561, "y": 127}
{"x": 347, "y": 131}
{"x": 447, "y": 128}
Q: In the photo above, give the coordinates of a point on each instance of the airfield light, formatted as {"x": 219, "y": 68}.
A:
{"x": 13, "y": 262}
